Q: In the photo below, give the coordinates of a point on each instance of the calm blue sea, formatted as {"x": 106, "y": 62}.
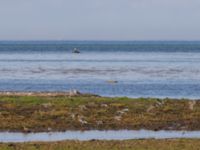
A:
{"x": 142, "y": 69}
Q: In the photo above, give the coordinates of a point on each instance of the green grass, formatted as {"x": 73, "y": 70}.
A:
{"x": 173, "y": 144}
{"x": 58, "y": 113}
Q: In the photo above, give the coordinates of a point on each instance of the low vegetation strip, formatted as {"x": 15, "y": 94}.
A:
{"x": 60, "y": 113}
{"x": 172, "y": 144}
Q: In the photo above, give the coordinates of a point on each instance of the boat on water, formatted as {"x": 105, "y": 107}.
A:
{"x": 76, "y": 50}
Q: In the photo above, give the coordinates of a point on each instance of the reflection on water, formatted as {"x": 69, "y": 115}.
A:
{"x": 97, "y": 135}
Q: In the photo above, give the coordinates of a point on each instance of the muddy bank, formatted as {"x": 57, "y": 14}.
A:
{"x": 38, "y": 113}
{"x": 170, "y": 144}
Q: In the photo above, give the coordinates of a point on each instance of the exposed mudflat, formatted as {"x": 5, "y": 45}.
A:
{"x": 23, "y": 112}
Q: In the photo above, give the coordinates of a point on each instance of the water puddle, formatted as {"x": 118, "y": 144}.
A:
{"x": 95, "y": 134}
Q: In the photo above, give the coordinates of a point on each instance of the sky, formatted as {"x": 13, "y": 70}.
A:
{"x": 100, "y": 20}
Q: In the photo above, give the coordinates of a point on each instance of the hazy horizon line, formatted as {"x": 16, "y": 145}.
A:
{"x": 99, "y": 40}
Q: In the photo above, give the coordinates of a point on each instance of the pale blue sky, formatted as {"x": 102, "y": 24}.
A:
{"x": 99, "y": 19}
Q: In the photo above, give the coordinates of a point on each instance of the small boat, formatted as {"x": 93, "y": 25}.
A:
{"x": 75, "y": 50}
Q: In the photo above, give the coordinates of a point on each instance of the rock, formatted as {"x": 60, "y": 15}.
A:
{"x": 99, "y": 122}
{"x": 91, "y": 104}
{"x": 29, "y": 93}
{"x": 191, "y": 105}
{"x": 73, "y": 116}
{"x": 82, "y": 107}
{"x": 81, "y": 120}
{"x": 74, "y": 93}
{"x": 118, "y": 118}
{"x": 47, "y": 105}
{"x": 150, "y": 108}
{"x": 26, "y": 130}
{"x": 104, "y": 105}
{"x": 49, "y": 129}
{"x": 125, "y": 110}
{"x": 11, "y": 145}
{"x": 8, "y": 93}
{"x": 160, "y": 103}
{"x": 120, "y": 112}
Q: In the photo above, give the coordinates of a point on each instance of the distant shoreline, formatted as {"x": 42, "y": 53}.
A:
{"x": 42, "y": 93}
{"x": 74, "y": 93}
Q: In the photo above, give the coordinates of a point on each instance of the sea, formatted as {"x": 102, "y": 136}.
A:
{"x": 108, "y": 68}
